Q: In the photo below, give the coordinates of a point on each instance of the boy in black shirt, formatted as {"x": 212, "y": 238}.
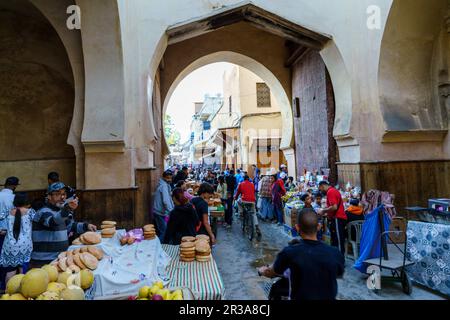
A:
{"x": 201, "y": 207}
{"x": 314, "y": 266}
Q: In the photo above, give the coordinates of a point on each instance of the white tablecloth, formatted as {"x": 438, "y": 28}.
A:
{"x": 125, "y": 269}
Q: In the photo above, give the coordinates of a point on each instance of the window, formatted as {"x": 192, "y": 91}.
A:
{"x": 262, "y": 95}
{"x": 230, "y": 108}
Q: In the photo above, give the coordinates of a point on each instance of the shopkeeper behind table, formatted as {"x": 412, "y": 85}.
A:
{"x": 50, "y": 223}
{"x": 205, "y": 192}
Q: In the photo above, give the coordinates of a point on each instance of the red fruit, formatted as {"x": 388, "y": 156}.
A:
{"x": 132, "y": 298}
{"x": 157, "y": 297}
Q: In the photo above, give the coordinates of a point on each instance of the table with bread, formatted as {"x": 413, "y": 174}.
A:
{"x": 119, "y": 268}
{"x": 192, "y": 266}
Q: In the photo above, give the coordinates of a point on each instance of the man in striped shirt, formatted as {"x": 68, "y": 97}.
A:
{"x": 52, "y": 225}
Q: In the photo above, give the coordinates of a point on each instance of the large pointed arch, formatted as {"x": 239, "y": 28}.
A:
{"x": 257, "y": 68}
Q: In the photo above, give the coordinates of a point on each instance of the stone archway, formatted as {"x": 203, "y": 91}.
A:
{"x": 261, "y": 71}
{"x": 254, "y": 66}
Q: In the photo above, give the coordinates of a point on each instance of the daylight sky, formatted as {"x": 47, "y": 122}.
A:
{"x": 205, "y": 80}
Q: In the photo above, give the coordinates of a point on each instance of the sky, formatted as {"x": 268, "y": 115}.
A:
{"x": 205, "y": 80}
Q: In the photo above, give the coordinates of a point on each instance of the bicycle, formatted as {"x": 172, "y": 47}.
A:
{"x": 248, "y": 222}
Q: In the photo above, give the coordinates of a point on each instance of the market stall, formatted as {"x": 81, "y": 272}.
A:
{"x": 202, "y": 278}
{"x": 126, "y": 268}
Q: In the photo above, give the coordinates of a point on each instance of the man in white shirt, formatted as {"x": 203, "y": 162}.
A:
{"x": 6, "y": 204}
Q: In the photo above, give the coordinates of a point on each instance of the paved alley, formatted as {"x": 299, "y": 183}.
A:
{"x": 238, "y": 259}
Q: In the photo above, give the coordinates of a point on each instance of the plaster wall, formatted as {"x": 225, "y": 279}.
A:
{"x": 36, "y": 98}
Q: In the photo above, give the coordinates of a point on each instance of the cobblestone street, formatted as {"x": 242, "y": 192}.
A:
{"x": 238, "y": 259}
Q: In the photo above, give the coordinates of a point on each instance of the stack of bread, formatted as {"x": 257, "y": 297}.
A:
{"x": 187, "y": 251}
{"x": 88, "y": 238}
{"x": 149, "y": 232}
{"x": 108, "y": 229}
{"x": 76, "y": 260}
{"x": 202, "y": 251}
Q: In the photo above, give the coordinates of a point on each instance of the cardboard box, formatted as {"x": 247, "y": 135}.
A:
{"x": 290, "y": 217}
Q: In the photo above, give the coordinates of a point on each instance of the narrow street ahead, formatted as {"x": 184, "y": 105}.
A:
{"x": 238, "y": 259}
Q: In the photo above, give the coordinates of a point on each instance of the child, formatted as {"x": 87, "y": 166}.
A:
{"x": 354, "y": 211}
{"x": 317, "y": 201}
{"x": 18, "y": 244}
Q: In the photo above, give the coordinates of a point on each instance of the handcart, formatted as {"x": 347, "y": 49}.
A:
{"x": 392, "y": 257}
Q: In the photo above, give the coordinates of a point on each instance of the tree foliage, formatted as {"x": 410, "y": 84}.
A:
{"x": 172, "y": 135}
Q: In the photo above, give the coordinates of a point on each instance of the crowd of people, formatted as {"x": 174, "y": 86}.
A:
{"x": 32, "y": 234}
{"x": 260, "y": 194}
{"x": 308, "y": 266}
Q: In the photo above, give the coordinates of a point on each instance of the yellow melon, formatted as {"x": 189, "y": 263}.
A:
{"x": 63, "y": 277}
{"x": 34, "y": 283}
{"x": 72, "y": 293}
{"x": 13, "y": 285}
{"x": 52, "y": 272}
{"x": 87, "y": 278}
{"x": 17, "y": 296}
{"x": 56, "y": 287}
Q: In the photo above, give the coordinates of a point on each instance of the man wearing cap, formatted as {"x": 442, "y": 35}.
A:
{"x": 51, "y": 225}
{"x": 162, "y": 203}
{"x": 6, "y": 204}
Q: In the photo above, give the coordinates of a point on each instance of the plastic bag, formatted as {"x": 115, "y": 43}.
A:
{"x": 137, "y": 234}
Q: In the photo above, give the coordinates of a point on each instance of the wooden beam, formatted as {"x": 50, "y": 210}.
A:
{"x": 293, "y": 57}
{"x": 256, "y": 16}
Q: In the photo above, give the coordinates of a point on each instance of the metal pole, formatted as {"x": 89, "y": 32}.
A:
{"x": 383, "y": 238}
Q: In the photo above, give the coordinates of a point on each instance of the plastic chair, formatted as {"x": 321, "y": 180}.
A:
{"x": 357, "y": 225}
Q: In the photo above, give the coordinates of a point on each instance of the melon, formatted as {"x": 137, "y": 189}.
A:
{"x": 49, "y": 295}
{"x": 17, "y": 296}
{"x": 87, "y": 279}
{"x": 52, "y": 272}
{"x": 56, "y": 287}
{"x": 72, "y": 293}
{"x": 34, "y": 283}
{"x": 13, "y": 285}
{"x": 63, "y": 277}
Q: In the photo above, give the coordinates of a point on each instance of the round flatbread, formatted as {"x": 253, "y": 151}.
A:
{"x": 89, "y": 260}
{"x": 148, "y": 227}
{"x": 109, "y": 223}
{"x": 78, "y": 262}
{"x": 202, "y": 246}
{"x": 96, "y": 252}
{"x": 187, "y": 245}
{"x": 108, "y": 231}
{"x": 62, "y": 255}
{"x": 62, "y": 263}
{"x": 90, "y": 238}
{"x": 188, "y": 239}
